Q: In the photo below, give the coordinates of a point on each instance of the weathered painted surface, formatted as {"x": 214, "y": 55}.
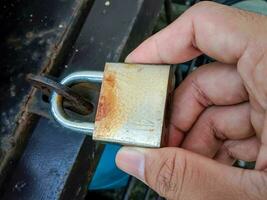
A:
{"x": 108, "y": 34}
{"x": 36, "y": 36}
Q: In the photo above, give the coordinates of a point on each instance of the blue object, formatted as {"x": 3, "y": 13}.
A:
{"x": 107, "y": 175}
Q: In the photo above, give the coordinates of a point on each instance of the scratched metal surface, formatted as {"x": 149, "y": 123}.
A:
{"x": 34, "y": 35}
{"x": 107, "y": 35}
{"x": 132, "y": 104}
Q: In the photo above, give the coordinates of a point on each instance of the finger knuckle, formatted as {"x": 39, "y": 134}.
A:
{"x": 259, "y": 78}
{"x": 199, "y": 95}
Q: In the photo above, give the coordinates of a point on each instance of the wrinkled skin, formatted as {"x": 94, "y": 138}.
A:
{"x": 219, "y": 110}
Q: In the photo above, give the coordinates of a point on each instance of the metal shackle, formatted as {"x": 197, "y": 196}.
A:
{"x": 56, "y": 101}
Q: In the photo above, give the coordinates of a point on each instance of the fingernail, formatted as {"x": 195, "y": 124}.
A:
{"x": 132, "y": 161}
{"x": 128, "y": 58}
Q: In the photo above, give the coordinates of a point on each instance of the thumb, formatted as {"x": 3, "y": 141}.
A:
{"x": 175, "y": 173}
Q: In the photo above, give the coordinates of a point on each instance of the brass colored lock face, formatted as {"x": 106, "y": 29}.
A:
{"x": 132, "y": 103}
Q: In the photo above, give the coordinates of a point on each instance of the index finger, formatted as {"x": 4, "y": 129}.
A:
{"x": 221, "y": 32}
{"x": 212, "y": 84}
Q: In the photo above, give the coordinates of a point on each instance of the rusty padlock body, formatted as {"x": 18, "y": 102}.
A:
{"x": 132, "y": 104}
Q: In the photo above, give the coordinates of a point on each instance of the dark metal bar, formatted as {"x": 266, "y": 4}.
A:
{"x": 130, "y": 186}
{"x": 109, "y": 33}
{"x": 35, "y": 36}
{"x": 168, "y": 10}
{"x": 73, "y": 101}
{"x": 147, "y": 194}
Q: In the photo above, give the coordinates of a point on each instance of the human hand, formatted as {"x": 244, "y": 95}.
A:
{"x": 218, "y": 113}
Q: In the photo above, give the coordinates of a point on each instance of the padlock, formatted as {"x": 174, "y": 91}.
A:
{"x": 132, "y": 105}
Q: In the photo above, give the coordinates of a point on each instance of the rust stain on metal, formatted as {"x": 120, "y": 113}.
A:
{"x": 108, "y": 100}
{"x": 110, "y": 79}
{"x": 59, "y": 99}
{"x": 108, "y": 107}
{"x": 25, "y": 120}
{"x": 132, "y": 104}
